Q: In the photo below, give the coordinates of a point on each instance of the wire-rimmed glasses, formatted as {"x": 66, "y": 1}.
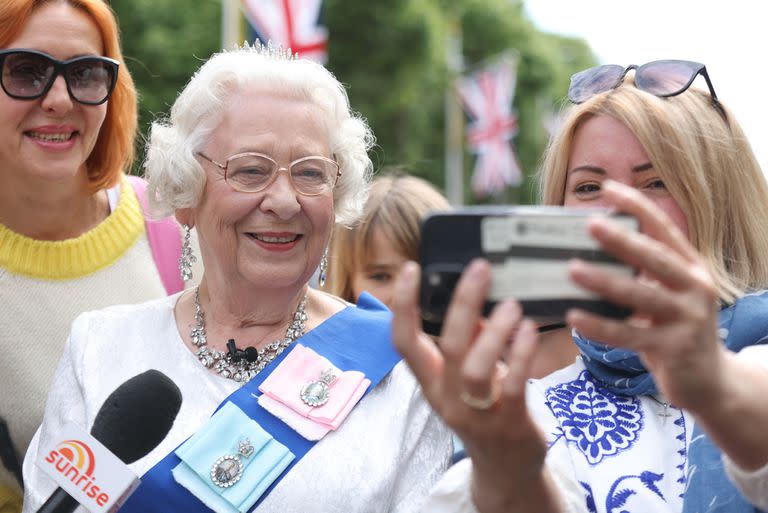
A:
{"x": 254, "y": 172}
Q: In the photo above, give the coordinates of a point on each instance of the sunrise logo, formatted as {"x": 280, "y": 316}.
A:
{"x": 74, "y": 460}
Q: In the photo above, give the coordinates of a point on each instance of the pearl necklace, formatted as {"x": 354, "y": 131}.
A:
{"x": 243, "y": 370}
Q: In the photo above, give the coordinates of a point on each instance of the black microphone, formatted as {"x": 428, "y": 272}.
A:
{"x": 133, "y": 420}
{"x": 8, "y": 454}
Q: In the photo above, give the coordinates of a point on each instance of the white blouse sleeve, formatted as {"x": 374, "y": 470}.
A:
{"x": 425, "y": 449}
{"x": 753, "y": 484}
{"x": 65, "y": 405}
{"x": 453, "y": 493}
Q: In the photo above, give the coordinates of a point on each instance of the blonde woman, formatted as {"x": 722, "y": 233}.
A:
{"x": 631, "y": 425}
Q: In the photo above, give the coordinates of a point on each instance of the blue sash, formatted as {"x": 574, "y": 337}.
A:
{"x": 357, "y": 338}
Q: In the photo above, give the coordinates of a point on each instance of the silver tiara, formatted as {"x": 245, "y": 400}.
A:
{"x": 270, "y": 50}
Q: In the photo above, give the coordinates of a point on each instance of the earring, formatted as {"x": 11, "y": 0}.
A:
{"x": 323, "y": 268}
{"x": 187, "y": 258}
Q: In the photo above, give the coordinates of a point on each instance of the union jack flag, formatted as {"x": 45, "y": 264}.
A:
{"x": 293, "y": 24}
{"x": 487, "y": 98}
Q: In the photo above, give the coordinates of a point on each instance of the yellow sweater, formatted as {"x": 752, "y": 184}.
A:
{"x": 44, "y": 285}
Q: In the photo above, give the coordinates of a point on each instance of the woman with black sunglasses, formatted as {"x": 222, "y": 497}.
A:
{"x": 634, "y": 424}
{"x": 72, "y": 233}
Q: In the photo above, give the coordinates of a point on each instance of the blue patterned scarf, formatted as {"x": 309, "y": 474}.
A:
{"x": 743, "y": 324}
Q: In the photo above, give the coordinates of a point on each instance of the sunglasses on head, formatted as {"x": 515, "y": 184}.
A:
{"x": 29, "y": 74}
{"x": 661, "y": 78}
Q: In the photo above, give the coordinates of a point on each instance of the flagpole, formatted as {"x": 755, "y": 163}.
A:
{"x": 454, "y": 116}
{"x": 230, "y": 24}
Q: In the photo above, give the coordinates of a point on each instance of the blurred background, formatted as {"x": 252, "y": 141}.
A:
{"x": 728, "y": 37}
{"x": 463, "y": 93}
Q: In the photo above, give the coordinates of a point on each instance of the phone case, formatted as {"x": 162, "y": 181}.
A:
{"x": 528, "y": 248}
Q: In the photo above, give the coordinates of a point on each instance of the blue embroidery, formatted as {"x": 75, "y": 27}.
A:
{"x": 590, "y": 498}
{"x": 557, "y": 431}
{"x": 554, "y": 436}
{"x": 599, "y": 422}
{"x": 683, "y": 452}
{"x": 617, "y": 498}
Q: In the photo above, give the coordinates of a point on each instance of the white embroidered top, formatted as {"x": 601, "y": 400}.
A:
{"x": 616, "y": 453}
{"x": 607, "y": 453}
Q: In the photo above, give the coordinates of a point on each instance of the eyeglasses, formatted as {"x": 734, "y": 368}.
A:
{"x": 661, "y": 78}
{"x": 254, "y": 172}
{"x": 29, "y": 74}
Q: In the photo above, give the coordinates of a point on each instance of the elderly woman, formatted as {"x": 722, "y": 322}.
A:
{"x": 262, "y": 155}
{"x": 72, "y": 232}
{"x": 632, "y": 425}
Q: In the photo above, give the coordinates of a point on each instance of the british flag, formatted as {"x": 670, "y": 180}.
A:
{"x": 487, "y": 97}
{"x": 293, "y": 24}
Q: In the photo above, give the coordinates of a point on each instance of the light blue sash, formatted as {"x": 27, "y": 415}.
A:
{"x": 357, "y": 338}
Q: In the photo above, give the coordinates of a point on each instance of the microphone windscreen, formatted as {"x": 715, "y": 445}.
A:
{"x": 137, "y": 416}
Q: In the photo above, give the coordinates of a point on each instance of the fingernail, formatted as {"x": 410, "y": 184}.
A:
{"x": 603, "y": 225}
{"x": 475, "y": 267}
{"x": 572, "y": 317}
{"x": 527, "y": 326}
{"x": 576, "y": 266}
{"x": 509, "y": 307}
{"x": 408, "y": 272}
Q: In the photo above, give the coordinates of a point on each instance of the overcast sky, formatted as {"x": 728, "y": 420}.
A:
{"x": 729, "y": 37}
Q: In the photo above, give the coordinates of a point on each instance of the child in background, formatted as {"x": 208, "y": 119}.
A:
{"x": 368, "y": 256}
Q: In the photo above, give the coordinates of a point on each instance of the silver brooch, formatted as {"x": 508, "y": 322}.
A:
{"x": 228, "y": 469}
{"x": 316, "y": 393}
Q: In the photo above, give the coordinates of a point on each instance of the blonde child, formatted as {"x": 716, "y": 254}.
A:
{"x": 368, "y": 256}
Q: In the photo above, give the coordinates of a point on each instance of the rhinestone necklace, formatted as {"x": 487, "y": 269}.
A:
{"x": 243, "y": 370}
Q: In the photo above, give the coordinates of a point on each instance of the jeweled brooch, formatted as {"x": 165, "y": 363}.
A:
{"x": 228, "y": 469}
{"x": 316, "y": 393}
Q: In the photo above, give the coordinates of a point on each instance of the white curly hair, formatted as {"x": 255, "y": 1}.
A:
{"x": 176, "y": 177}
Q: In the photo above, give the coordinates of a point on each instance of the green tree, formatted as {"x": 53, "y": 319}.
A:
{"x": 164, "y": 42}
{"x": 389, "y": 53}
{"x": 391, "y": 56}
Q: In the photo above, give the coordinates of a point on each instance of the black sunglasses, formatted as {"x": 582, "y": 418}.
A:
{"x": 661, "y": 78}
{"x": 29, "y": 74}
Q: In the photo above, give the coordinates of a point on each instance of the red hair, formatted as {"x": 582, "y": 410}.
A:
{"x": 113, "y": 151}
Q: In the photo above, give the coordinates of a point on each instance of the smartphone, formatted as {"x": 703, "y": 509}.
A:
{"x": 528, "y": 247}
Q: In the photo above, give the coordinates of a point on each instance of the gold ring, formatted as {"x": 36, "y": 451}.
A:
{"x": 482, "y": 403}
